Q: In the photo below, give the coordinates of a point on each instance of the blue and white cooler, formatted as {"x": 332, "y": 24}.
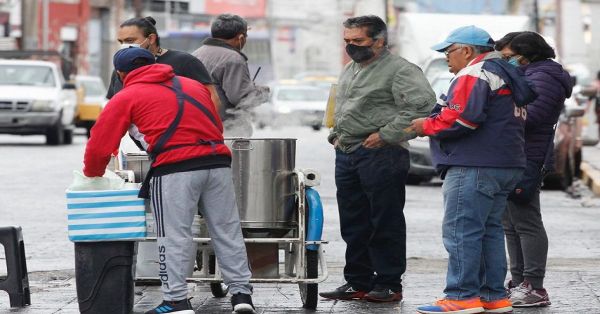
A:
{"x": 112, "y": 215}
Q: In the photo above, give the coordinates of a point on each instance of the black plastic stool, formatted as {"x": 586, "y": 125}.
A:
{"x": 16, "y": 282}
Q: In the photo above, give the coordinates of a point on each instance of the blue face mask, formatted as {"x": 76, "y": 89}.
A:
{"x": 514, "y": 61}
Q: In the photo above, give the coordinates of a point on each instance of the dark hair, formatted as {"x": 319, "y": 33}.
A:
{"x": 227, "y": 26}
{"x": 505, "y": 41}
{"x": 146, "y": 24}
{"x": 530, "y": 45}
{"x": 376, "y": 27}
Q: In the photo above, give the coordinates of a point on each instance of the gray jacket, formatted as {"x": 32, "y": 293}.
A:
{"x": 383, "y": 96}
{"x": 229, "y": 70}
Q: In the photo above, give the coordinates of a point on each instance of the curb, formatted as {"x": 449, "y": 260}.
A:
{"x": 590, "y": 177}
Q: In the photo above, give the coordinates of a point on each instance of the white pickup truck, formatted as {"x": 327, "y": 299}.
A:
{"x": 34, "y": 99}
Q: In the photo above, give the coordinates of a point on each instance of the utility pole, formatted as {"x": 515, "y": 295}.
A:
{"x": 138, "y": 7}
{"x": 536, "y": 16}
{"x": 558, "y": 26}
{"x": 45, "y": 24}
{"x": 167, "y": 15}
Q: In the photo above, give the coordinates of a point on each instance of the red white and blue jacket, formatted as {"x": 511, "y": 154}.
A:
{"x": 480, "y": 123}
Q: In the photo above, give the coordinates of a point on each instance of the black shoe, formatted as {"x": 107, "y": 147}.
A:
{"x": 179, "y": 307}
{"x": 345, "y": 292}
{"x": 380, "y": 294}
{"x": 242, "y": 303}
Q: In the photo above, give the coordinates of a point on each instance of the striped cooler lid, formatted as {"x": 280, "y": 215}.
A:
{"x": 112, "y": 215}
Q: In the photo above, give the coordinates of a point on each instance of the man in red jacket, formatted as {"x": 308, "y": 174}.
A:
{"x": 176, "y": 122}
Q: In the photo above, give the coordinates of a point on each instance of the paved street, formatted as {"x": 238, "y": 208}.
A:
{"x": 34, "y": 177}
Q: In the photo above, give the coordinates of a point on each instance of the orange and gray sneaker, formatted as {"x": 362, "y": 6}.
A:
{"x": 467, "y": 306}
{"x": 497, "y": 306}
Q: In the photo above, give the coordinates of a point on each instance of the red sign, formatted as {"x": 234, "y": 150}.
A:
{"x": 243, "y": 8}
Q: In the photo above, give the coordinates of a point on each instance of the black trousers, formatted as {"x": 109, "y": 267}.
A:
{"x": 371, "y": 194}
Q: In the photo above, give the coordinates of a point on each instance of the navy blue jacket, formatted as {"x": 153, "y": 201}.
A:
{"x": 553, "y": 85}
{"x": 481, "y": 121}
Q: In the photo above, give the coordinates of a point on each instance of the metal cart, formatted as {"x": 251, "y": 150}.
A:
{"x": 282, "y": 224}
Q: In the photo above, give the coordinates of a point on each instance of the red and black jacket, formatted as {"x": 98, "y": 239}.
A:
{"x": 147, "y": 107}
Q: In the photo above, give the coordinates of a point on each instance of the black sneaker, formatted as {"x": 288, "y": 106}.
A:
{"x": 345, "y": 292}
{"x": 380, "y": 294}
{"x": 179, "y": 307}
{"x": 242, "y": 303}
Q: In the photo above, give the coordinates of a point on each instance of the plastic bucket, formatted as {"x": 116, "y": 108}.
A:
{"x": 103, "y": 277}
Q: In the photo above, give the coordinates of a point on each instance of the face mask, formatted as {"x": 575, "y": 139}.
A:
{"x": 514, "y": 61}
{"x": 126, "y": 45}
{"x": 359, "y": 53}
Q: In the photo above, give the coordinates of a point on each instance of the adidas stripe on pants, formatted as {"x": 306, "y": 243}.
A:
{"x": 175, "y": 199}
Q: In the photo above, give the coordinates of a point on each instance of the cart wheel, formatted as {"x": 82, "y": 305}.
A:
{"x": 218, "y": 289}
{"x": 309, "y": 291}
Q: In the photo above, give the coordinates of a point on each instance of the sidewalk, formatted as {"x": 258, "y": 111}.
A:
{"x": 572, "y": 279}
{"x": 573, "y": 226}
{"x": 573, "y": 284}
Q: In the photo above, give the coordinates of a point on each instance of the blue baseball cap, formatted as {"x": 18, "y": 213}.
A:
{"x": 469, "y": 35}
{"x": 123, "y": 59}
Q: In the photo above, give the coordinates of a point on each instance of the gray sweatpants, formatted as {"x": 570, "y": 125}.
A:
{"x": 526, "y": 241}
{"x": 175, "y": 199}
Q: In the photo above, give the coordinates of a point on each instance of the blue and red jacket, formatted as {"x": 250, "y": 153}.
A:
{"x": 480, "y": 123}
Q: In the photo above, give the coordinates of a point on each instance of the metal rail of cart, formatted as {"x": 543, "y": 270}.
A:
{"x": 291, "y": 255}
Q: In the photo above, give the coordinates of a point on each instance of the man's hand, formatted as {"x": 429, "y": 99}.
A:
{"x": 335, "y": 142}
{"x": 417, "y": 126}
{"x": 373, "y": 141}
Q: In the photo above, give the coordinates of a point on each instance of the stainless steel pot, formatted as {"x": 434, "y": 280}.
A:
{"x": 263, "y": 180}
{"x": 262, "y": 176}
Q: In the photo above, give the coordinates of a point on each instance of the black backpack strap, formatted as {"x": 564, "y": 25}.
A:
{"x": 198, "y": 105}
{"x": 164, "y": 138}
{"x": 212, "y": 143}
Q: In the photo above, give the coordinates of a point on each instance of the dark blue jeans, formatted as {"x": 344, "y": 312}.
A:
{"x": 370, "y": 194}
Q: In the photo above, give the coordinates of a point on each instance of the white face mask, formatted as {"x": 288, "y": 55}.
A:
{"x": 134, "y": 45}
{"x": 123, "y": 46}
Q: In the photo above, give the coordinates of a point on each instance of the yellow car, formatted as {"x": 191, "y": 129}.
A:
{"x": 91, "y": 100}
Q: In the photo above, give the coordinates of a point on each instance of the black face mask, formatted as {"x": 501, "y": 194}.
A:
{"x": 359, "y": 53}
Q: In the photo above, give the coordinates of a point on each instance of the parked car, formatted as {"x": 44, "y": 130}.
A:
{"x": 421, "y": 168}
{"x": 316, "y": 78}
{"x": 440, "y": 82}
{"x": 35, "y": 99}
{"x": 293, "y": 103}
{"x": 434, "y": 66}
{"x": 91, "y": 100}
{"x": 567, "y": 144}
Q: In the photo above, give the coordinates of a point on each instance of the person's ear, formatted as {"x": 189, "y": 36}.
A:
{"x": 152, "y": 39}
{"x": 121, "y": 75}
{"x": 242, "y": 41}
{"x": 468, "y": 52}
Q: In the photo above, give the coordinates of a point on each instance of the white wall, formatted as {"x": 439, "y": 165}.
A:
{"x": 306, "y": 35}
